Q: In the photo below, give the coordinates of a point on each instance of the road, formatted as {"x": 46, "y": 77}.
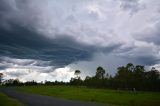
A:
{"x": 39, "y": 100}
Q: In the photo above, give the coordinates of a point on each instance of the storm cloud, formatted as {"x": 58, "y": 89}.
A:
{"x": 46, "y": 38}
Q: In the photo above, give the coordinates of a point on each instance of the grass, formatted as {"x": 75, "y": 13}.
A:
{"x": 105, "y": 96}
{"x": 6, "y": 101}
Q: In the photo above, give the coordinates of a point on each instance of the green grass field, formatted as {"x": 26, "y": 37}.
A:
{"x": 105, "y": 96}
{"x": 6, "y": 101}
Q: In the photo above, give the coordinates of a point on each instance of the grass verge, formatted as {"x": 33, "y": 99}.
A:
{"x": 105, "y": 96}
{"x": 6, "y": 101}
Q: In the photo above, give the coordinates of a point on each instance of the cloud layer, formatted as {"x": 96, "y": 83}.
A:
{"x": 46, "y": 35}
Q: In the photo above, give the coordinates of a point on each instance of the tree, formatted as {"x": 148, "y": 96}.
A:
{"x": 1, "y": 75}
{"x": 100, "y": 73}
{"x": 139, "y": 71}
{"x": 152, "y": 79}
{"x": 130, "y": 67}
{"x": 77, "y": 73}
{"x": 77, "y": 80}
{"x": 154, "y": 74}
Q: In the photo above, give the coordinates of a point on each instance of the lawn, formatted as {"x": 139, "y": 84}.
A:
{"x": 105, "y": 96}
{"x": 6, "y": 101}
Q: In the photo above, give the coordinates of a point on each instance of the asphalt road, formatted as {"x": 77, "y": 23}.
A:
{"x": 39, "y": 100}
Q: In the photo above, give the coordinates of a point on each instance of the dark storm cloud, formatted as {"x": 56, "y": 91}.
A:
{"x": 148, "y": 60}
{"x": 3, "y": 67}
{"x": 4, "y": 6}
{"x": 20, "y": 39}
{"x": 24, "y": 44}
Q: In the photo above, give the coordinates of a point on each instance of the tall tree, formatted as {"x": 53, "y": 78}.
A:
{"x": 139, "y": 72}
{"x": 130, "y": 67}
{"x": 154, "y": 74}
{"x": 77, "y": 73}
{"x": 100, "y": 73}
{"x": 1, "y": 75}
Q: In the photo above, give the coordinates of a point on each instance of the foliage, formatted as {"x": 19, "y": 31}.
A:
{"x": 77, "y": 72}
{"x": 1, "y": 75}
{"x": 100, "y": 73}
{"x": 127, "y": 77}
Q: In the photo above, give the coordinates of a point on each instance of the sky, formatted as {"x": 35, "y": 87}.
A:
{"x": 49, "y": 39}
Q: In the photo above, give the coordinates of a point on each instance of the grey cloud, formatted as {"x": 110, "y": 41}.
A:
{"x": 5, "y": 6}
{"x": 150, "y": 34}
{"x": 37, "y": 15}
{"x": 24, "y": 44}
{"x": 20, "y": 65}
{"x": 16, "y": 61}
{"x": 147, "y": 60}
{"x": 141, "y": 53}
{"x": 3, "y": 67}
{"x": 132, "y": 6}
{"x": 17, "y": 73}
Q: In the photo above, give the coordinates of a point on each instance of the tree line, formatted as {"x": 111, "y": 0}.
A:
{"x": 127, "y": 77}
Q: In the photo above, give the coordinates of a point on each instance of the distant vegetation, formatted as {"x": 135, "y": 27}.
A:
{"x": 129, "y": 77}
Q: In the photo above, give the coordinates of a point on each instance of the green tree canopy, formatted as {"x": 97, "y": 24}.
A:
{"x": 77, "y": 73}
{"x": 100, "y": 72}
{"x": 1, "y": 75}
